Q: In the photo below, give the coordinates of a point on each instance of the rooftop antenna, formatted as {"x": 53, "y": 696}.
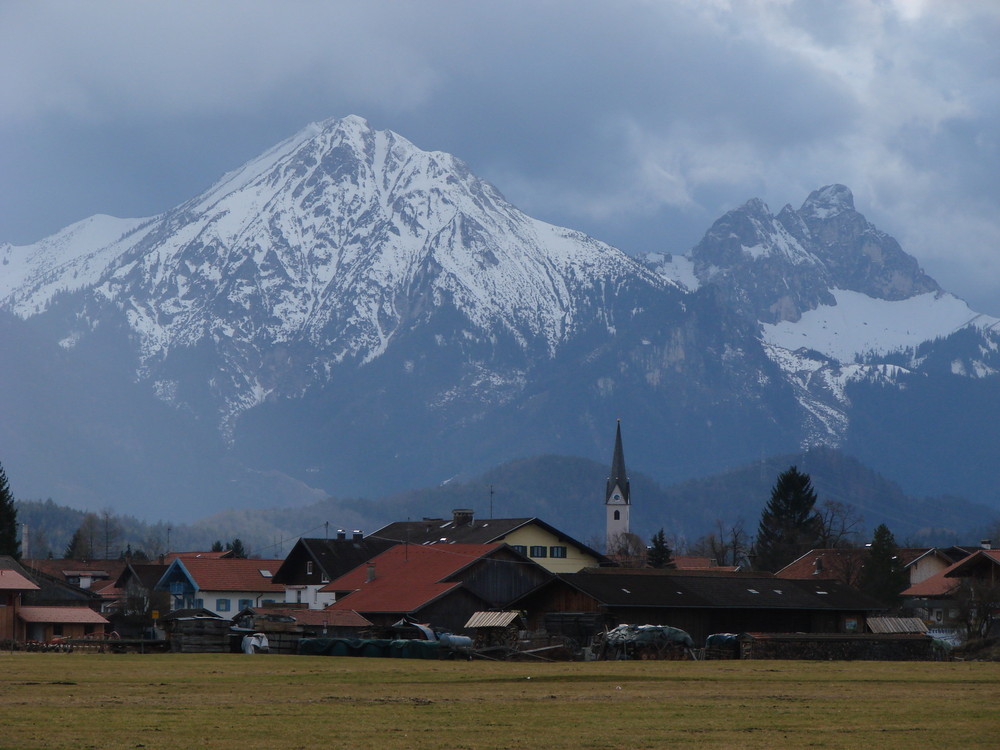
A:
{"x": 491, "y": 501}
{"x": 327, "y": 532}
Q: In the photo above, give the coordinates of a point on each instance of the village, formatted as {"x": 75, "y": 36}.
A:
{"x": 502, "y": 588}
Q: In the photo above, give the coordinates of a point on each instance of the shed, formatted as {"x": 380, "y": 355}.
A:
{"x": 46, "y": 624}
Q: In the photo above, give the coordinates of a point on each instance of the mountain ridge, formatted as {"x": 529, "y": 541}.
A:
{"x": 358, "y": 316}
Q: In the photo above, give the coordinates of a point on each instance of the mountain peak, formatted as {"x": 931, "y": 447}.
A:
{"x": 828, "y": 202}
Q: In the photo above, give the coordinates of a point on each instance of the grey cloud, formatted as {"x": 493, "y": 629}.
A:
{"x": 637, "y": 122}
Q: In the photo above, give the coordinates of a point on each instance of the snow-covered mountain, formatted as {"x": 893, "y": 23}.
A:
{"x": 348, "y": 313}
{"x": 325, "y": 248}
{"x": 838, "y": 300}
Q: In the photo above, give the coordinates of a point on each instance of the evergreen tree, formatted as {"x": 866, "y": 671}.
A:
{"x": 84, "y": 541}
{"x": 789, "y": 525}
{"x": 883, "y": 576}
{"x": 238, "y": 549}
{"x": 9, "y": 542}
{"x": 660, "y": 554}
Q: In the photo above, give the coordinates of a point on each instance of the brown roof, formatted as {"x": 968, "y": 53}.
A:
{"x": 936, "y": 585}
{"x": 232, "y": 574}
{"x": 61, "y": 615}
{"x": 317, "y": 617}
{"x": 407, "y": 577}
{"x": 170, "y": 557}
{"x": 841, "y": 563}
{"x": 67, "y": 567}
{"x": 11, "y": 580}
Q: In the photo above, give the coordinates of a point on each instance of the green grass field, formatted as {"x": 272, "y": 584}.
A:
{"x": 263, "y": 701}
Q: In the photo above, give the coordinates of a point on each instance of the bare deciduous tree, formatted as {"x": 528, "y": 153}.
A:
{"x": 840, "y": 524}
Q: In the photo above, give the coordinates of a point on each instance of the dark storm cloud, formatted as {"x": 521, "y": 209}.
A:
{"x": 638, "y": 122}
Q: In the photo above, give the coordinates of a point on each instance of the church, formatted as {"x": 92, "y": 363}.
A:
{"x": 617, "y": 497}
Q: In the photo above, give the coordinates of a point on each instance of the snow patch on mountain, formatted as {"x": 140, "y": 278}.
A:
{"x": 859, "y": 325}
{"x": 677, "y": 269}
{"x": 73, "y": 258}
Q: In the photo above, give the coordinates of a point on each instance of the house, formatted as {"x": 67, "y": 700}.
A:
{"x": 14, "y": 583}
{"x": 579, "y": 605}
{"x": 46, "y": 624}
{"x": 313, "y": 563}
{"x": 441, "y": 584}
{"x": 91, "y": 575}
{"x": 846, "y": 563}
{"x": 138, "y": 599}
{"x": 21, "y": 621}
{"x": 94, "y": 576}
{"x": 546, "y": 545}
{"x": 963, "y": 597}
{"x": 222, "y": 585}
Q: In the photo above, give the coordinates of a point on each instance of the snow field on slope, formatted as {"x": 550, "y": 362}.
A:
{"x": 859, "y": 324}
{"x": 74, "y": 257}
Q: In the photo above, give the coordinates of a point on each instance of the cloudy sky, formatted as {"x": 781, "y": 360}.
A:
{"x": 639, "y": 122}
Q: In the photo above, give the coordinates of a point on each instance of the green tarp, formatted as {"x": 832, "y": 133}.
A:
{"x": 379, "y": 648}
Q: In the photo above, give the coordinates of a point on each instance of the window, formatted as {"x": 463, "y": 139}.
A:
{"x": 221, "y": 605}
{"x": 618, "y": 515}
{"x": 309, "y": 568}
{"x": 538, "y": 550}
{"x": 198, "y": 603}
{"x": 246, "y": 603}
{"x": 557, "y": 552}
{"x": 519, "y": 548}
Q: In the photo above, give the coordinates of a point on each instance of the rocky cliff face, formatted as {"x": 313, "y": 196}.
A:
{"x": 775, "y": 268}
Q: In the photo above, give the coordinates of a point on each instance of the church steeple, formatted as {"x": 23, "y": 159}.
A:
{"x": 617, "y": 496}
{"x": 618, "y": 477}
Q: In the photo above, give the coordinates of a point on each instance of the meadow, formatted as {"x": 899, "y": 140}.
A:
{"x": 243, "y": 702}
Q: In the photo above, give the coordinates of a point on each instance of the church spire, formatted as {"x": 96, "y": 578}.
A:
{"x": 617, "y": 496}
{"x": 618, "y": 477}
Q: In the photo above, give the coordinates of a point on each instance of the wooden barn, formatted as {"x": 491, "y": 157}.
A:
{"x": 441, "y": 584}
{"x": 580, "y": 605}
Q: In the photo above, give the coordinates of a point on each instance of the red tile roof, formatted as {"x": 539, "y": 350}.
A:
{"x": 843, "y": 564}
{"x": 61, "y": 615}
{"x": 936, "y": 585}
{"x": 691, "y": 562}
{"x": 407, "y": 577}
{"x": 947, "y": 580}
{"x": 232, "y": 574}
{"x": 11, "y": 580}
{"x": 169, "y": 558}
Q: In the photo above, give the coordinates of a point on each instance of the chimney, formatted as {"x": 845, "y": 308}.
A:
{"x": 818, "y": 566}
{"x": 341, "y": 534}
{"x": 986, "y": 544}
{"x": 462, "y": 516}
{"x": 357, "y": 535}
{"x": 371, "y": 572}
